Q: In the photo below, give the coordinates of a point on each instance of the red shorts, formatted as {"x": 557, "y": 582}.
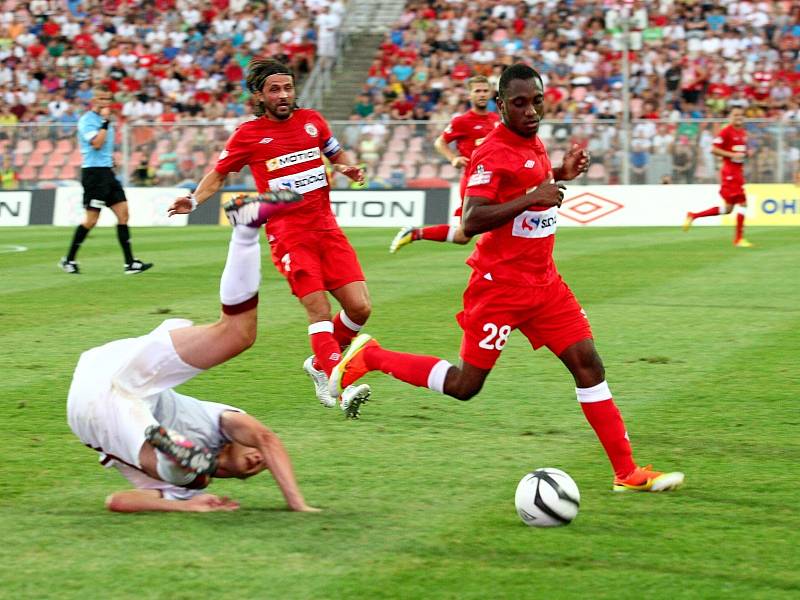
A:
{"x": 316, "y": 261}
{"x": 732, "y": 188}
{"x": 548, "y": 316}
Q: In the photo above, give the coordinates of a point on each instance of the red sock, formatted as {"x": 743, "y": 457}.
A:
{"x": 411, "y": 368}
{"x": 327, "y": 352}
{"x": 714, "y": 210}
{"x": 607, "y": 423}
{"x": 434, "y": 233}
{"x": 341, "y": 332}
{"x": 739, "y": 227}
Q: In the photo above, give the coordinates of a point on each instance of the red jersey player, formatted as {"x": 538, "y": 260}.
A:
{"x": 512, "y": 199}
{"x": 467, "y": 130}
{"x": 284, "y": 148}
{"x": 731, "y": 145}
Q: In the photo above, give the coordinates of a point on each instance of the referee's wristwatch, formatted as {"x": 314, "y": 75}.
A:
{"x": 105, "y": 124}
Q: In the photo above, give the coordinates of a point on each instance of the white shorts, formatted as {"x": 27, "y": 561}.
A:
{"x": 115, "y": 386}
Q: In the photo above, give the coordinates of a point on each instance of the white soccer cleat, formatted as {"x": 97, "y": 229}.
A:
{"x": 320, "y": 383}
{"x": 352, "y": 398}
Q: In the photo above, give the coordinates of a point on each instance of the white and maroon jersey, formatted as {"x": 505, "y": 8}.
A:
{"x": 287, "y": 155}
{"x": 468, "y": 130}
{"x": 519, "y": 252}
{"x": 732, "y": 139}
{"x": 122, "y": 387}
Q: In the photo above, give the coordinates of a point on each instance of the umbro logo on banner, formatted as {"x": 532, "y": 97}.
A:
{"x": 265, "y": 140}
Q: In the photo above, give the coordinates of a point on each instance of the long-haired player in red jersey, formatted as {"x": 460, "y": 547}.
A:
{"x": 731, "y": 145}
{"x": 512, "y": 199}
{"x": 467, "y": 131}
{"x": 284, "y": 147}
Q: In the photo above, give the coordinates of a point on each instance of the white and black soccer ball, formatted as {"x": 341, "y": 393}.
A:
{"x": 547, "y": 498}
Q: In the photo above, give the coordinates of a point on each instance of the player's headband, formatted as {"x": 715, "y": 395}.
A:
{"x": 258, "y": 85}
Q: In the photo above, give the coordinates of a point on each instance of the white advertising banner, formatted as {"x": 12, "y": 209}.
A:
{"x": 379, "y": 208}
{"x": 15, "y": 208}
{"x": 147, "y": 207}
{"x": 632, "y": 205}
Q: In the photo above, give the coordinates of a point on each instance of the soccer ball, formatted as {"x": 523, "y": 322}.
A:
{"x": 547, "y": 498}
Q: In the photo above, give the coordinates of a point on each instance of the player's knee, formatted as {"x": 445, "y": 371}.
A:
{"x": 242, "y": 331}
{"x": 360, "y": 311}
{"x": 247, "y": 336}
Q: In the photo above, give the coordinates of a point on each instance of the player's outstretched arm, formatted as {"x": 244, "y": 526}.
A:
{"x": 481, "y": 214}
{"x": 249, "y": 431}
{"x": 211, "y": 183}
{"x": 132, "y": 501}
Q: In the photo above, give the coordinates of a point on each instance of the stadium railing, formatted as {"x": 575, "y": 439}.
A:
{"x": 401, "y": 154}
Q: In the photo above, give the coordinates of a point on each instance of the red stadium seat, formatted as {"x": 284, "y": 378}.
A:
{"x": 68, "y": 172}
{"x": 28, "y": 173}
{"x": 44, "y": 146}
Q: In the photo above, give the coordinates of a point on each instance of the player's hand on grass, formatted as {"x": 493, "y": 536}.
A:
{"x": 210, "y": 503}
{"x": 547, "y": 194}
{"x": 181, "y": 206}
{"x": 354, "y": 172}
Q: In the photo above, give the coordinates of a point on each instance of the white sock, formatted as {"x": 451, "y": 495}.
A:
{"x": 451, "y": 233}
{"x": 349, "y": 323}
{"x": 437, "y": 376}
{"x": 242, "y": 274}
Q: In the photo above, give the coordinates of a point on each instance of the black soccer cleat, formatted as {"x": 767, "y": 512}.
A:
{"x": 69, "y": 266}
{"x": 137, "y": 267}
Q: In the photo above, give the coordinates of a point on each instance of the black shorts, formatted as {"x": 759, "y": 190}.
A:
{"x": 100, "y": 188}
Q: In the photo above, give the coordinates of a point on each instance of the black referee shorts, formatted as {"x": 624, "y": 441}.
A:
{"x": 101, "y": 188}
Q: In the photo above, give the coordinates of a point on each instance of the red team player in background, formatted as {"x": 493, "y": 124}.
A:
{"x": 284, "y": 147}
{"x": 731, "y": 145}
{"x": 512, "y": 199}
{"x": 467, "y": 130}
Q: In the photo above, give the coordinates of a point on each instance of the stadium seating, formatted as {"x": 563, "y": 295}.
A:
{"x": 692, "y": 61}
{"x": 695, "y": 61}
{"x": 136, "y": 51}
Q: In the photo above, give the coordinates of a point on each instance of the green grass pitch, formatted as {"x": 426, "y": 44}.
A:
{"x": 700, "y": 342}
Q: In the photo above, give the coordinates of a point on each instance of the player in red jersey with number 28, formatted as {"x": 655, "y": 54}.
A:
{"x": 284, "y": 148}
{"x": 512, "y": 199}
{"x": 731, "y": 145}
{"x": 467, "y": 131}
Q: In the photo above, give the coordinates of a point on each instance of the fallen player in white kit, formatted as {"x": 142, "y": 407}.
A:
{"x": 168, "y": 445}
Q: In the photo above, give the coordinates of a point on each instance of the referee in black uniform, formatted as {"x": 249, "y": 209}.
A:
{"x": 100, "y": 185}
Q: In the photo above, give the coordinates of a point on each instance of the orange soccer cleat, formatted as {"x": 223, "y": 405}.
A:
{"x": 352, "y": 366}
{"x": 644, "y": 479}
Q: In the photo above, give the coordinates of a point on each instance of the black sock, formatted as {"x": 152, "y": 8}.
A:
{"x": 80, "y": 234}
{"x": 124, "y": 237}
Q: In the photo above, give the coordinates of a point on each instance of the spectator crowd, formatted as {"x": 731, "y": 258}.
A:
{"x": 688, "y": 59}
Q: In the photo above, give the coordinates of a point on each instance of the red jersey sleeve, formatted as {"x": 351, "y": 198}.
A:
{"x": 485, "y": 178}
{"x": 453, "y": 131}
{"x": 721, "y": 140}
{"x": 235, "y": 155}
